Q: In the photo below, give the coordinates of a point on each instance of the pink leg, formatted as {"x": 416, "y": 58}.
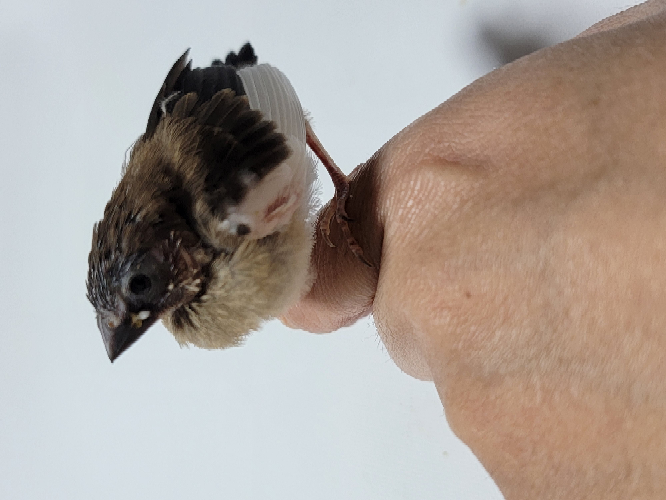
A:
{"x": 338, "y": 209}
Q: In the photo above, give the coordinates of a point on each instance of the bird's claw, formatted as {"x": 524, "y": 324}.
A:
{"x": 337, "y": 208}
{"x": 338, "y": 211}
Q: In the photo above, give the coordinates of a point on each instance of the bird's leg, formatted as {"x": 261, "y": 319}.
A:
{"x": 338, "y": 208}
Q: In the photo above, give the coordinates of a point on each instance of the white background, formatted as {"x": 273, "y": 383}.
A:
{"x": 289, "y": 415}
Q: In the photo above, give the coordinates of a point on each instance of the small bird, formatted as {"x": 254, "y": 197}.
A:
{"x": 210, "y": 228}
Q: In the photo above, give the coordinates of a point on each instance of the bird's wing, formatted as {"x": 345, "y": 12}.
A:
{"x": 258, "y": 173}
{"x": 286, "y": 190}
{"x": 182, "y": 80}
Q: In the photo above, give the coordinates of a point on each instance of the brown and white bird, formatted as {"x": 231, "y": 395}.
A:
{"x": 211, "y": 226}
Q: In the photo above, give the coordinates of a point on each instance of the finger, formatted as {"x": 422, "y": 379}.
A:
{"x": 344, "y": 287}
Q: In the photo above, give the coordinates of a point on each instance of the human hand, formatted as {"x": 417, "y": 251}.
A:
{"x": 518, "y": 232}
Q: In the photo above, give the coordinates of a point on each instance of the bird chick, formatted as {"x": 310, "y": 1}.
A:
{"x": 211, "y": 226}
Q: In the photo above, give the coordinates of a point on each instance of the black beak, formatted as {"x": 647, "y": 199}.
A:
{"x": 118, "y": 339}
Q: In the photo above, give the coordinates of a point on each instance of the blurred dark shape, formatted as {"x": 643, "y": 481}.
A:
{"x": 506, "y": 43}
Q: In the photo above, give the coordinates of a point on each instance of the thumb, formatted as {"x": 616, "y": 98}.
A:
{"x": 344, "y": 287}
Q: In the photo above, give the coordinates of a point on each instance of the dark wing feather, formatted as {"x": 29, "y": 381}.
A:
{"x": 245, "y": 57}
{"x": 185, "y": 105}
{"x": 236, "y": 143}
{"x": 181, "y": 65}
{"x": 206, "y": 82}
{"x": 266, "y": 148}
{"x": 182, "y": 80}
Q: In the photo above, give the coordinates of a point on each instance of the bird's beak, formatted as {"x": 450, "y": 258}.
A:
{"x": 118, "y": 339}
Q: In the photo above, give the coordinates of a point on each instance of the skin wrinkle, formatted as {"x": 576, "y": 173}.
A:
{"x": 411, "y": 222}
{"x": 348, "y": 295}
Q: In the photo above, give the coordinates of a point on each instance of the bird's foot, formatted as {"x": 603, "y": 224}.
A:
{"x": 337, "y": 210}
{"x": 338, "y": 207}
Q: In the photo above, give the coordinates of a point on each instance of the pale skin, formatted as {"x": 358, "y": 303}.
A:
{"x": 518, "y": 233}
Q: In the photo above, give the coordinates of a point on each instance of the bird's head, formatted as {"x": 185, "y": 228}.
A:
{"x": 145, "y": 262}
{"x": 205, "y": 298}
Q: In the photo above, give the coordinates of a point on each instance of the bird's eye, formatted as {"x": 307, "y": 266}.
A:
{"x": 139, "y": 284}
